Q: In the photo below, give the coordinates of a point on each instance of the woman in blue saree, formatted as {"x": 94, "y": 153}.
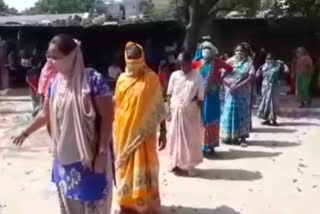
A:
{"x": 236, "y": 115}
{"x": 212, "y": 69}
{"x": 269, "y": 106}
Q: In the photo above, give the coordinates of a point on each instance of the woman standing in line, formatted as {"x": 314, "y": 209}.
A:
{"x": 186, "y": 94}
{"x": 212, "y": 70}
{"x": 139, "y": 110}
{"x": 236, "y": 115}
{"x": 304, "y": 71}
{"x": 269, "y": 106}
{"x": 79, "y": 113}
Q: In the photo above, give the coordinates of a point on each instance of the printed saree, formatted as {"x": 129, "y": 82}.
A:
{"x": 211, "y": 107}
{"x": 139, "y": 110}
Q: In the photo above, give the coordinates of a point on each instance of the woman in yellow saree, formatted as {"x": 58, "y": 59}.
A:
{"x": 139, "y": 109}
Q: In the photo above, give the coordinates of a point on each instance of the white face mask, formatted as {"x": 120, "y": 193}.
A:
{"x": 207, "y": 54}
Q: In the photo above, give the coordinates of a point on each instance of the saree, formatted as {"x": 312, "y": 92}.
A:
{"x": 184, "y": 133}
{"x": 139, "y": 109}
{"x": 304, "y": 70}
{"x": 211, "y": 108}
{"x": 236, "y": 114}
{"x": 212, "y": 76}
{"x": 303, "y": 86}
{"x": 74, "y": 129}
{"x": 269, "y": 106}
{"x": 47, "y": 75}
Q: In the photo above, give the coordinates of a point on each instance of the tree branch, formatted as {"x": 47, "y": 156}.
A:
{"x": 214, "y": 10}
{"x": 193, "y": 7}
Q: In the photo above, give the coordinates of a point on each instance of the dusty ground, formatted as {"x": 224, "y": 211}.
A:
{"x": 277, "y": 174}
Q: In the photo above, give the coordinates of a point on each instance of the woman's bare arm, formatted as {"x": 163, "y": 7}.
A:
{"x": 104, "y": 107}
{"x": 40, "y": 120}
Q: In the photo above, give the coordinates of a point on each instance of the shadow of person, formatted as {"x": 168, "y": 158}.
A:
{"x": 189, "y": 210}
{"x": 228, "y": 174}
{"x": 298, "y": 124}
{"x": 12, "y": 111}
{"x": 241, "y": 154}
{"x": 272, "y": 143}
{"x": 273, "y": 130}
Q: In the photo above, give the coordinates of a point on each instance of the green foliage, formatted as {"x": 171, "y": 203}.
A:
{"x": 147, "y": 7}
{"x": 303, "y": 7}
{"x": 4, "y": 8}
{"x": 62, "y": 6}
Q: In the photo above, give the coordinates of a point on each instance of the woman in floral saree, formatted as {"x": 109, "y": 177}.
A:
{"x": 269, "y": 106}
{"x": 79, "y": 112}
{"x": 138, "y": 112}
{"x": 212, "y": 70}
{"x": 236, "y": 116}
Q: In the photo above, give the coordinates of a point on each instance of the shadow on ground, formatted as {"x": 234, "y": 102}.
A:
{"x": 15, "y": 92}
{"x": 15, "y": 99}
{"x": 298, "y": 124}
{"x": 272, "y": 143}
{"x": 229, "y": 174}
{"x": 241, "y": 154}
{"x": 188, "y": 210}
{"x": 273, "y": 130}
{"x": 12, "y": 111}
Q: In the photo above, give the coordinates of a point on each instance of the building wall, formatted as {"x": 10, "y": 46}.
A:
{"x": 132, "y": 7}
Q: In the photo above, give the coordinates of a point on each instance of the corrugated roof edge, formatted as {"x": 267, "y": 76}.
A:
{"x": 52, "y": 20}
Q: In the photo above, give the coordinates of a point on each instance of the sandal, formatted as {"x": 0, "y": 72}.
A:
{"x": 266, "y": 123}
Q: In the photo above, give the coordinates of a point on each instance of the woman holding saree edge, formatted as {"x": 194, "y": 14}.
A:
{"x": 236, "y": 116}
{"x": 212, "y": 70}
{"x": 79, "y": 113}
{"x": 269, "y": 106}
{"x": 138, "y": 112}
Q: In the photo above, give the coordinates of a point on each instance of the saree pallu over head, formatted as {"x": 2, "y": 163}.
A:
{"x": 73, "y": 112}
{"x": 47, "y": 75}
{"x": 139, "y": 110}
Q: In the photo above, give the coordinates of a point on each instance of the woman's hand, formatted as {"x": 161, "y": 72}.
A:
{"x": 19, "y": 140}
{"x": 162, "y": 141}
{"x": 120, "y": 163}
{"x": 233, "y": 88}
{"x": 100, "y": 164}
{"x": 37, "y": 123}
{"x": 169, "y": 117}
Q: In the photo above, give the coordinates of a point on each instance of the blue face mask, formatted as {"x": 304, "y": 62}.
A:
{"x": 206, "y": 54}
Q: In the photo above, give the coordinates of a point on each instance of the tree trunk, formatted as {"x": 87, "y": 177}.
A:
{"x": 193, "y": 27}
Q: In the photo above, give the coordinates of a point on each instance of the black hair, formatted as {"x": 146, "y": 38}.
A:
{"x": 186, "y": 56}
{"x": 245, "y": 47}
{"x": 65, "y": 43}
{"x": 271, "y": 54}
{"x": 135, "y": 51}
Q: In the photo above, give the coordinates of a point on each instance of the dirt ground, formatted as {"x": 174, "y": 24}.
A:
{"x": 278, "y": 173}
